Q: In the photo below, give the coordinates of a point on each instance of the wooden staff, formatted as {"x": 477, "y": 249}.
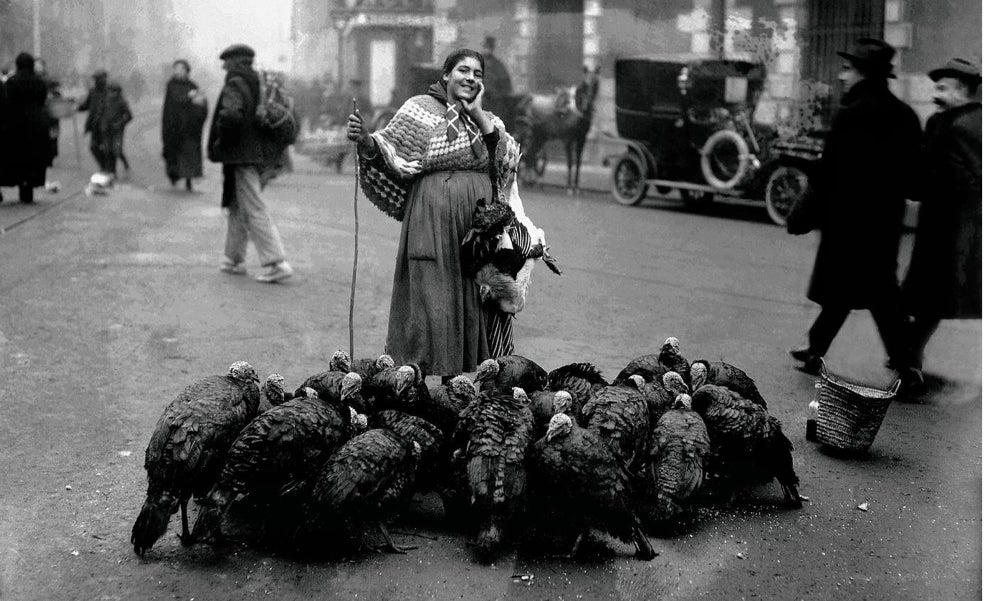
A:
{"x": 355, "y": 259}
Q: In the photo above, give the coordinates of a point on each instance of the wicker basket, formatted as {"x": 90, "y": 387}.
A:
{"x": 849, "y": 414}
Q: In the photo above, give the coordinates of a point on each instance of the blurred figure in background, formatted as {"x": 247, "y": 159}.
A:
{"x": 54, "y": 95}
{"x": 944, "y": 278}
{"x": 185, "y": 112}
{"x": 93, "y": 104}
{"x": 116, "y": 115}
{"x": 24, "y": 130}
{"x": 498, "y": 85}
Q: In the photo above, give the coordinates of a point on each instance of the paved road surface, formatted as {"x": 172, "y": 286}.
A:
{"x": 110, "y": 305}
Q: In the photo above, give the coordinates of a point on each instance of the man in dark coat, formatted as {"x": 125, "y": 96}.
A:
{"x": 184, "y": 115}
{"x": 25, "y": 130}
{"x": 858, "y": 204}
{"x": 94, "y": 103}
{"x": 236, "y": 140}
{"x": 944, "y": 278}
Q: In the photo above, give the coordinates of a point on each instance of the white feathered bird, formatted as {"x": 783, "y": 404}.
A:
{"x": 501, "y": 249}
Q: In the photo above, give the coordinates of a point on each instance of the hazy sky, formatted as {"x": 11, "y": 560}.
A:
{"x": 215, "y": 24}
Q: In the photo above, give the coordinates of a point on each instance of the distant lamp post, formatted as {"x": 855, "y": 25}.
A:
{"x": 340, "y": 21}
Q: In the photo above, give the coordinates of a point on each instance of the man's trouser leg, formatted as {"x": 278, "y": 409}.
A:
{"x": 825, "y": 328}
{"x": 256, "y": 218}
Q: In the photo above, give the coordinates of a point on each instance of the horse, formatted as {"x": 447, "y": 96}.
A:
{"x": 565, "y": 115}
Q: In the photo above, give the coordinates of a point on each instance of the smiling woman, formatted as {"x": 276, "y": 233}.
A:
{"x": 440, "y": 157}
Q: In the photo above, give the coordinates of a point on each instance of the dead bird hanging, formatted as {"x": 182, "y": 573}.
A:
{"x": 500, "y": 251}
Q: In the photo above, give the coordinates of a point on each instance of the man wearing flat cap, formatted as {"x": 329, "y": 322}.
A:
{"x": 236, "y": 141}
{"x": 944, "y": 277}
{"x": 857, "y": 203}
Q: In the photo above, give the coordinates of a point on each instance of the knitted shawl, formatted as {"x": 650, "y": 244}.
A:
{"x": 415, "y": 143}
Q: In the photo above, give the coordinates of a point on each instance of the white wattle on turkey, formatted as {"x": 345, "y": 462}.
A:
{"x": 500, "y": 251}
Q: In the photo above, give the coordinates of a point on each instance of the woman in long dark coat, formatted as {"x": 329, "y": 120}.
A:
{"x": 185, "y": 111}
{"x": 25, "y": 130}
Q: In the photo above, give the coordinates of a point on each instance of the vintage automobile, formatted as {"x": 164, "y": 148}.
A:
{"x": 687, "y": 126}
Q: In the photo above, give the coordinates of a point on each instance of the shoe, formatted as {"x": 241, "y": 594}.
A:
{"x": 277, "y": 273}
{"x": 233, "y": 268}
{"x": 811, "y": 361}
{"x": 913, "y": 384}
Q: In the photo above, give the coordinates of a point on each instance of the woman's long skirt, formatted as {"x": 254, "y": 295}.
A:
{"x": 436, "y": 318}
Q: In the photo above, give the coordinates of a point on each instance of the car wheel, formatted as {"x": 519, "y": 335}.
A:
{"x": 725, "y": 159}
{"x": 785, "y": 187}
{"x": 629, "y": 180}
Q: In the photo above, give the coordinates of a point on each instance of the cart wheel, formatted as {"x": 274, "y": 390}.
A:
{"x": 696, "y": 196}
{"x": 725, "y": 159}
{"x": 629, "y": 180}
{"x": 785, "y": 187}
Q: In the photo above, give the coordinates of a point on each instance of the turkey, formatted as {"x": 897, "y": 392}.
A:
{"x": 369, "y": 480}
{"x": 391, "y": 388}
{"x": 500, "y": 250}
{"x": 724, "y": 374}
{"x": 748, "y": 446}
{"x": 678, "y": 451}
{"x": 619, "y": 415}
{"x": 368, "y": 367}
{"x": 443, "y": 403}
{"x": 276, "y": 454}
{"x": 271, "y": 393}
{"x": 581, "y": 380}
{"x": 545, "y": 404}
{"x": 490, "y": 444}
{"x": 509, "y": 371}
{"x": 336, "y": 385}
{"x": 660, "y": 393}
{"x": 577, "y": 483}
{"x": 188, "y": 448}
{"x": 653, "y": 366}
{"x": 432, "y": 441}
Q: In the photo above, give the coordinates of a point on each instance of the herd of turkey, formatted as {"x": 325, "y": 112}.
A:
{"x": 518, "y": 452}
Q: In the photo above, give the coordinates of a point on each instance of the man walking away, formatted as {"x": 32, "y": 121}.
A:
{"x": 858, "y": 204}
{"x": 236, "y": 141}
{"x": 94, "y": 103}
{"x": 944, "y": 277}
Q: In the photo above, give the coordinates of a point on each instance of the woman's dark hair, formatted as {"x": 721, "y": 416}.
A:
{"x": 24, "y": 62}
{"x": 458, "y": 55}
{"x": 182, "y": 61}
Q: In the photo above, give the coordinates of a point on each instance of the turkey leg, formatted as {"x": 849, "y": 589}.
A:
{"x": 185, "y": 535}
{"x": 391, "y": 546}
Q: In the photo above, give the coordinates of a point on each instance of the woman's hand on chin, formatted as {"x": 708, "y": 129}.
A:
{"x": 476, "y": 112}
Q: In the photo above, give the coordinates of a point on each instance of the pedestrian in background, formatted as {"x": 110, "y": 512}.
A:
{"x": 867, "y": 170}
{"x": 93, "y": 105}
{"x": 24, "y": 124}
{"x": 439, "y": 156}
{"x": 236, "y": 141}
{"x": 53, "y": 97}
{"x": 182, "y": 122}
{"x": 944, "y": 277}
{"x": 498, "y": 83}
{"x": 115, "y": 116}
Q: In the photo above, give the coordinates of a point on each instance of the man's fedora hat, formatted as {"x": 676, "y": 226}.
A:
{"x": 237, "y": 50}
{"x": 957, "y": 68}
{"x": 872, "y": 56}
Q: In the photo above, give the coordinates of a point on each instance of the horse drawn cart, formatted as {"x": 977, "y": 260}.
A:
{"x": 687, "y": 126}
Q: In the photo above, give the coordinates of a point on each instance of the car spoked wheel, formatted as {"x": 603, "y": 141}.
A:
{"x": 629, "y": 180}
{"x": 785, "y": 187}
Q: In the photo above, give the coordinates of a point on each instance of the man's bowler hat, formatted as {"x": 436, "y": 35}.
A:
{"x": 872, "y": 56}
{"x": 237, "y": 50}
{"x": 958, "y": 68}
